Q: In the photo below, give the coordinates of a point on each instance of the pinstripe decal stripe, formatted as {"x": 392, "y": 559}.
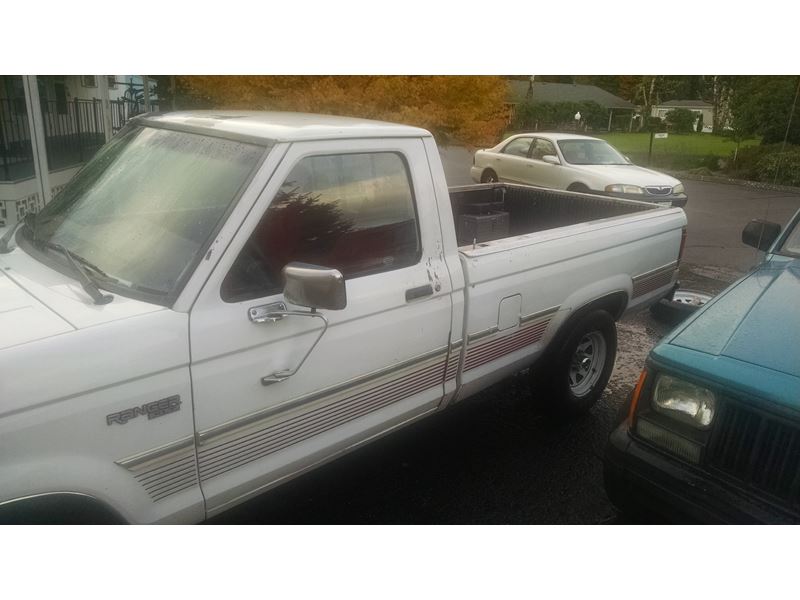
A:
{"x": 452, "y": 361}
{"x": 531, "y": 330}
{"x": 165, "y": 470}
{"x": 652, "y": 280}
{"x": 232, "y": 448}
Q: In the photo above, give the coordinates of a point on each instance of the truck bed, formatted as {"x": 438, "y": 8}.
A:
{"x": 530, "y": 209}
{"x": 554, "y": 253}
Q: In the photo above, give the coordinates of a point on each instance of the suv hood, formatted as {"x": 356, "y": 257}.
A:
{"x": 628, "y": 174}
{"x": 38, "y": 302}
{"x": 756, "y": 321}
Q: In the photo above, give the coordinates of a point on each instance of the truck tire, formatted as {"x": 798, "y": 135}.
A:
{"x": 568, "y": 382}
{"x": 489, "y": 176}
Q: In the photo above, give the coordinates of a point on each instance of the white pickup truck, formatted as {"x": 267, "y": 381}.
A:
{"x": 221, "y": 301}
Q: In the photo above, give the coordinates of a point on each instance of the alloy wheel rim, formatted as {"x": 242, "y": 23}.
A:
{"x": 586, "y": 364}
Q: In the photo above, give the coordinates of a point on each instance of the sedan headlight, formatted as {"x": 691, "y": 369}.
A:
{"x": 622, "y": 188}
{"x": 684, "y": 401}
{"x": 678, "y": 189}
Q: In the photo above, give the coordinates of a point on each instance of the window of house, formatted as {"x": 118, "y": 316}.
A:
{"x": 351, "y": 212}
{"x": 89, "y": 81}
{"x": 15, "y": 92}
{"x": 112, "y": 82}
{"x": 60, "y": 91}
{"x": 518, "y": 147}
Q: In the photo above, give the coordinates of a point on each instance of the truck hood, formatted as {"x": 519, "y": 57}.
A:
{"x": 757, "y": 321}
{"x": 628, "y": 174}
{"x": 23, "y": 318}
{"x": 38, "y": 302}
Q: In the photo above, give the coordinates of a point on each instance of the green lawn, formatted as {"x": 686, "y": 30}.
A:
{"x": 678, "y": 151}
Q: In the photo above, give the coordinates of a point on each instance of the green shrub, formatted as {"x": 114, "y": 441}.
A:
{"x": 654, "y": 124}
{"x": 700, "y": 123}
{"x": 781, "y": 167}
{"x": 711, "y": 162}
{"x": 746, "y": 164}
{"x": 557, "y": 115}
{"x": 680, "y": 120}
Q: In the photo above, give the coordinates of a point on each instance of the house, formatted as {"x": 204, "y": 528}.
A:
{"x": 619, "y": 110}
{"x": 698, "y": 107}
{"x": 50, "y": 125}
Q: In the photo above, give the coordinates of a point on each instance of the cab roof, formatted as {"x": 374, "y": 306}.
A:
{"x": 270, "y": 127}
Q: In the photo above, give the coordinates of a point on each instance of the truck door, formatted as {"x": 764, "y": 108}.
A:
{"x": 366, "y": 208}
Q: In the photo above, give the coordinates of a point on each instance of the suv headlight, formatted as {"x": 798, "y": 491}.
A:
{"x": 684, "y": 401}
{"x": 622, "y": 188}
{"x": 678, "y": 189}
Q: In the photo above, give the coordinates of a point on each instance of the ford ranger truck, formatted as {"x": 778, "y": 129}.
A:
{"x": 221, "y": 301}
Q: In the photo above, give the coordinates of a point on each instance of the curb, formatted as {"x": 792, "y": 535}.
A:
{"x": 744, "y": 182}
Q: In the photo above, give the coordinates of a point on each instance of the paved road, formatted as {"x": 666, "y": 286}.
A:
{"x": 494, "y": 458}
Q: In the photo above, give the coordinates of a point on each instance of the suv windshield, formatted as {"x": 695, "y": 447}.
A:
{"x": 145, "y": 206}
{"x": 590, "y": 152}
{"x": 792, "y": 244}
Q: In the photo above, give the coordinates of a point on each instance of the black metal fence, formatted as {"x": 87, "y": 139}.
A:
{"x": 73, "y": 129}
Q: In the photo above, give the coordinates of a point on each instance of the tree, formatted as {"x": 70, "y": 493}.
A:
{"x": 680, "y": 120}
{"x": 468, "y": 109}
{"x": 699, "y": 127}
{"x": 762, "y": 105}
{"x": 645, "y": 95}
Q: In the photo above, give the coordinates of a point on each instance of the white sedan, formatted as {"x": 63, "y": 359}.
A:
{"x": 573, "y": 162}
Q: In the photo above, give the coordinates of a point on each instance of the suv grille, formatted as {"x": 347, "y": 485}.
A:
{"x": 659, "y": 190}
{"x": 760, "y": 451}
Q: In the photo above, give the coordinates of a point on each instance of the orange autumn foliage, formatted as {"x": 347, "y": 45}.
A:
{"x": 465, "y": 109}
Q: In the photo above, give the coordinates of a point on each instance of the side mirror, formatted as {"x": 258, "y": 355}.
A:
{"x": 314, "y": 287}
{"x": 551, "y": 159}
{"x": 760, "y": 234}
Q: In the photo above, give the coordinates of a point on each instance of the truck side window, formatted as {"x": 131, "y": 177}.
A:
{"x": 351, "y": 212}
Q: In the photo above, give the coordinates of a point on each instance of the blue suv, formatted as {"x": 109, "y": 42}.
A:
{"x": 711, "y": 433}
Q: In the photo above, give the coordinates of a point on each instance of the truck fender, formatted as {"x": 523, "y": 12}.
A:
{"x": 585, "y": 300}
{"x": 58, "y": 508}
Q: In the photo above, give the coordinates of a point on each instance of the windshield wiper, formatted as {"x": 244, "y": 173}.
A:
{"x": 89, "y": 286}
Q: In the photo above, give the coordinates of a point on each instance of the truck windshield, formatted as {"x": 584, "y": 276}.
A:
{"x": 146, "y": 205}
{"x": 590, "y": 152}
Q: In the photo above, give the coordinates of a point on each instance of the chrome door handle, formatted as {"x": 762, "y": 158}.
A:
{"x": 419, "y": 292}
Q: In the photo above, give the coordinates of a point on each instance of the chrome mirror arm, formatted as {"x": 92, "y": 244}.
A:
{"x": 276, "y": 315}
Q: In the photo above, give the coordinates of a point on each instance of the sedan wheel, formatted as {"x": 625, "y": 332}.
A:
{"x": 489, "y": 176}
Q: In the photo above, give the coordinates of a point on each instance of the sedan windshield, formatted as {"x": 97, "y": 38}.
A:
{"x": 590, "y": 152}
{"x": 146, "y": 205}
